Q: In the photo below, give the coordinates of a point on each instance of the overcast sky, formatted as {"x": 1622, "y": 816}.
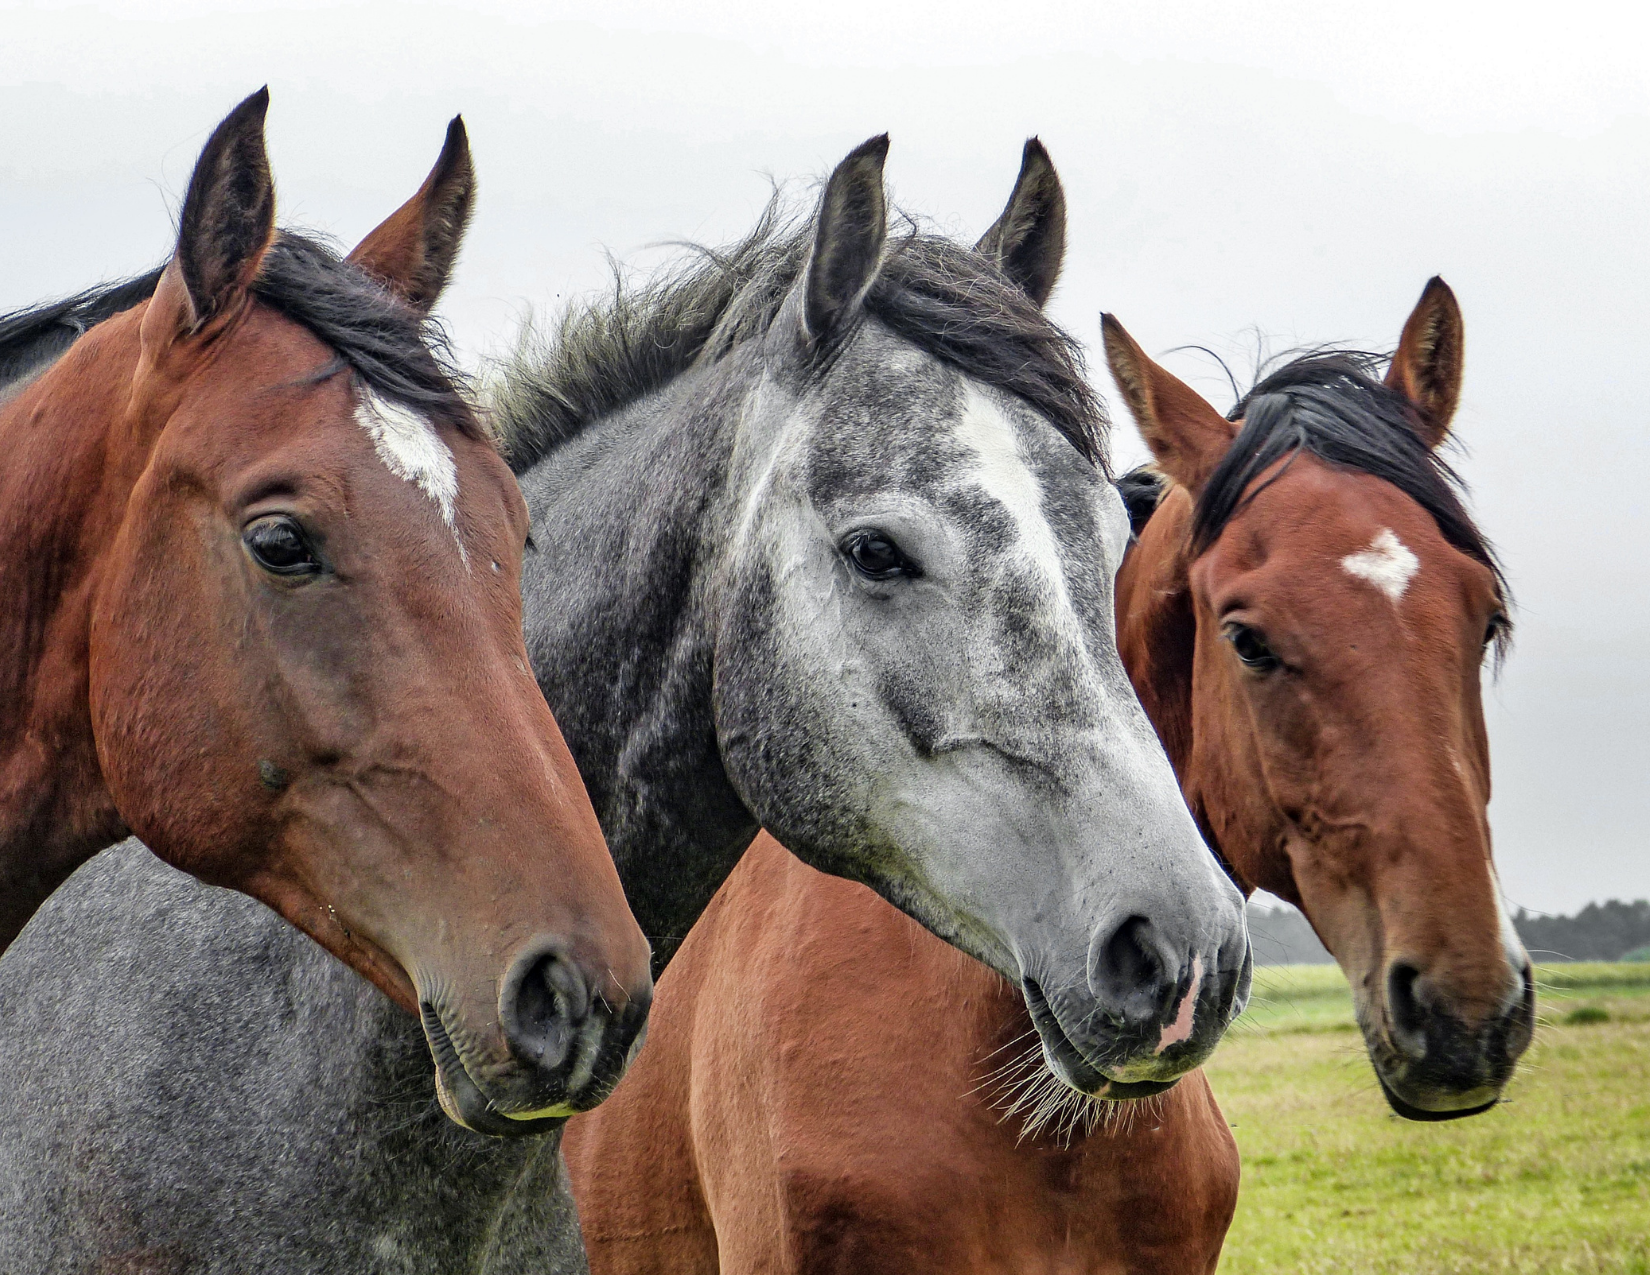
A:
{"x": 1296, "y": 170}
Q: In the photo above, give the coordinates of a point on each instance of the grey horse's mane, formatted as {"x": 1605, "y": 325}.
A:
{"x": 942, "y": 296}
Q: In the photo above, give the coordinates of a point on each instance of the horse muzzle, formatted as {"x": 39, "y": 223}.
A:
{"x": 568, "y": 1040}
{"x": 1432, "y": 1063}
{"x": 1139, "y": 1034}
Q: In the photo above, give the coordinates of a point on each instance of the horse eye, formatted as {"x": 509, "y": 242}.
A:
{"x": 1251, "y": 648}
{"x": 877, "y": 557}
{"x": 277, "y": 544}
{"x": 1497, "y": 626}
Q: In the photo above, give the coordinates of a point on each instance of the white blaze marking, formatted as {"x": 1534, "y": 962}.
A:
{"x": 411, "y": 449}
{"x": 1005, "y": 476}
{"x": 1387, "y": 564}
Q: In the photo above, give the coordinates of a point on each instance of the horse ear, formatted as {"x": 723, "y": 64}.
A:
{"x": 413, "y": 251}
{"x": 1431, "y": 356}
{"x": 229, "y": 212}
{"x": 1028, "y": 242}
{"x": 1186, "y": 435}
{"x": 848, "y": 241}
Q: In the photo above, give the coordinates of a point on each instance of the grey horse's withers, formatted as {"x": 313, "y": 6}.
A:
{"x": 840, "y": 569}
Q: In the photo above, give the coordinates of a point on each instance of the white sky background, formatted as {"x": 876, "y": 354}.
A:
{"x": 1296, "y": 169}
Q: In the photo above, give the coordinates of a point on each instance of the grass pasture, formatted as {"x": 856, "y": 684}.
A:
{"x": 1555, "y": 1179}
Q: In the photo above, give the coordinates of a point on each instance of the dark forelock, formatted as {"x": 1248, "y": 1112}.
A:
{"x": 1330, "y": 404}
{"x": 393, "y": 350}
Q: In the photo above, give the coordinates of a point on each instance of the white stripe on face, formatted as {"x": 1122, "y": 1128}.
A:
{"x": 1004, "y": 475}
{"x": 411, "y": 449}
{"x": 1387, "y": 564}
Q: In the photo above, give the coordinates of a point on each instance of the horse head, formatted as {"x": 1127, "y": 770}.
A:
{"x": 1307, "y": 614}
{"x": 917, "y": 680}
{"x": 306, "y": 674}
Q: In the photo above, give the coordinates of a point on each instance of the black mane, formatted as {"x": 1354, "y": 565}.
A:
{"x": 1330, "y": 404}
{"x": 389, "y": 347}
{"x": 1142, "y": 489}
{"x": 941, "y": 296}
{"x": 32, "y": 340}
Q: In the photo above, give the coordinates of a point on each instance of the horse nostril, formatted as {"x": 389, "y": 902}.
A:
{"x": 1237, "y": 970}
{"x": 1518, "y": 1026}
{"x": 565, "y": 985}
{"x": 550, "y": 1003}
{"x": 1128, "y": 954}
{"x": 1405, "y": 1014}
{"x": 1128, "y": 973}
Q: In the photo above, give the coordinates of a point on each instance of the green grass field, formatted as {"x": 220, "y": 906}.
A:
{"x": 1556, "y": 1178}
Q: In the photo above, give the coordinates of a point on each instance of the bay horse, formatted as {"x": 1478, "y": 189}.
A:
{"x": 815, "y": 522}
{"x": 1304, "y": 614}
{"x": 261, "y": 565}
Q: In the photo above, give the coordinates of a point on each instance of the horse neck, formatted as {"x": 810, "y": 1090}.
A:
{"x": 71, "y": 461}
{"x": 624, "y": 648}
{"x": 1156, "y": 625}
{"x": 1157, "y": 637}
{"x": 72, "y": 457}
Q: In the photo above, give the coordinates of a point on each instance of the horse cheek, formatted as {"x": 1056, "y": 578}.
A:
{"x": 169, "y": 585}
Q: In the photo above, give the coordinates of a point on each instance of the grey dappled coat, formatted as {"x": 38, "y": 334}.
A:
{"x": 300, "y": 1059}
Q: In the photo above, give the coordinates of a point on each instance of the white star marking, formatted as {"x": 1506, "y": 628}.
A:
{"x": 411, "y": 449}
{"x": 1387, "y": 564}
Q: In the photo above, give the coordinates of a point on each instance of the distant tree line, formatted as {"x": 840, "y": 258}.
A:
{"x": 1282, "y": 936}
{"x": 1610, "y": 931}
{"x": 1599, "y": 932}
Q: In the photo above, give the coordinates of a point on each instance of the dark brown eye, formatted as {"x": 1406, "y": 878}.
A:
{"x": 876, "y": 557}
{"x": 278, "y": 545}
{"x": 1251, "y": 647}
{"x": 1497, "y": 626}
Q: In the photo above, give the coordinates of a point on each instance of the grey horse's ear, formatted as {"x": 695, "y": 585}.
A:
{"x": 1028, "y": 242}
{"x": 848, "y": 241}
{"x": 414, "y": 250}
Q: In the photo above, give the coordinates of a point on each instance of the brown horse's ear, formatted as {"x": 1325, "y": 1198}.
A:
{"x": 1186, "y": 435}
{"x": 1028, "y": 242}
{"x": 848, "y": 241}
{"x": 413, "y": 251}
{"x": 229, "y": 213}
{"x": 1431, "y": 357}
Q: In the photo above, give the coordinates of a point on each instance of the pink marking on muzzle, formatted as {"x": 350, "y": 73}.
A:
{"x": 1181, "y": 1028}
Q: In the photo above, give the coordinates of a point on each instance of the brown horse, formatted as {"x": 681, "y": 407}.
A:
{"x": 261, "y": 569}
{"x": 823, "y": 1091}
{"x": 1304, "y": 615}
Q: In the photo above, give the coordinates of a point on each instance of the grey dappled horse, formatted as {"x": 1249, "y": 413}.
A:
{"x": 819, "y": 542}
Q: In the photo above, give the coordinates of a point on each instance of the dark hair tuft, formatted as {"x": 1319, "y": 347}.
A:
{"x": 941, "y": 296}
{"x": 1329, "y": 404}
{"x": 389, "y": 346}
